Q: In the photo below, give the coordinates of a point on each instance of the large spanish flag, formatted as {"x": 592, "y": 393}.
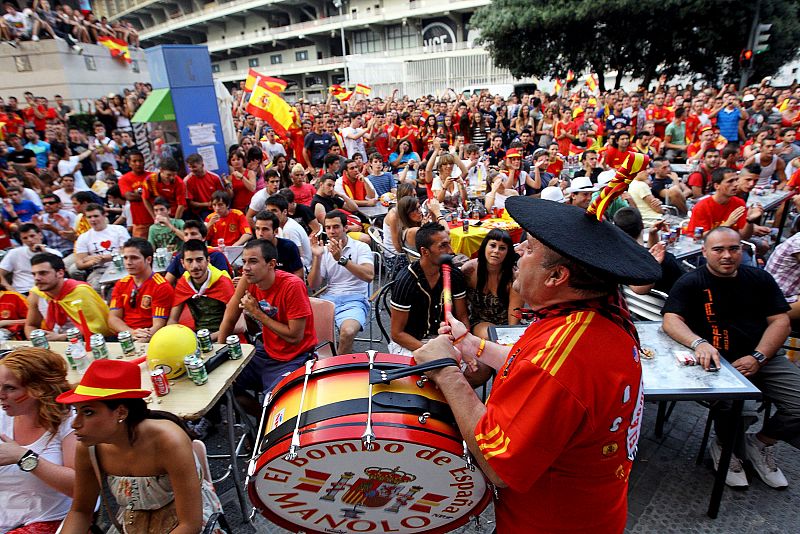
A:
{"x": 276, "y": 85}
{"x": 117, "y": 47}
{"x": 362, "y": 89}
{"x": 75, "y": 297}
{"x": 272, "y": 108}
{"x": 592, "y": 82}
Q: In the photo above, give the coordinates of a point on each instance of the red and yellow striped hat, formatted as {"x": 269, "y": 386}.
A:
{"x": 107, "y": 379}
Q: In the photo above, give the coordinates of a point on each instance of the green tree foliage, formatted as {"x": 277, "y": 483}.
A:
{"x": 639, "y": 38}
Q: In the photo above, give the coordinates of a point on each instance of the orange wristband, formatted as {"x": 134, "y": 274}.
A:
{"x": 481, "y": 347}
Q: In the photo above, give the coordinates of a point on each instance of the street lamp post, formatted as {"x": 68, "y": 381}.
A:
{"x": 338, "y": 5}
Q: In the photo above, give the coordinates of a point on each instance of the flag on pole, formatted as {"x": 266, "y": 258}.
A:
{"x": 276, "y": 85}
{"x": 592, "y": 82}
{"x": 336, "y": 89}
{"x": 362, "y": 89}
{"x": 272, "y": 108}
{"x": 570, "y": 75}
{"x": 558, "y": 86}
{"x": 117, "y": 47}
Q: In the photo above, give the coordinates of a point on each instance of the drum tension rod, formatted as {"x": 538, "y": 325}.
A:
{"x": 424, "y": 417}
{"x": 421, "y": 381}
{"x": 251, "y": 466}
{"x": 295, "y": 446}
{"x": 369, "y": 436}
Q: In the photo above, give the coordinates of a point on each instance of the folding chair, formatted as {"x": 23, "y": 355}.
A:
{"x": 376, "y": 234}
{"x": 325, "y": 326}
{"x": 645, "y": 307}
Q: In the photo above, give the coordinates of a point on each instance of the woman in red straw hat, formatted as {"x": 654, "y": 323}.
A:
{"x": 144, "y": 456}
{"x": 37, "y": 445}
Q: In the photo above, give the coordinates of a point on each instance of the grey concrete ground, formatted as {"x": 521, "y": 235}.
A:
{"x": 668, "y": 492}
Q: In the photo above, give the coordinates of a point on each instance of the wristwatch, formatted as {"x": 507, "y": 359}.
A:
{"x": 697, "y": 342}
{"x": 29, "y": 461}
{"x": 759, "y": 356}
{"x": 343, "y": 261}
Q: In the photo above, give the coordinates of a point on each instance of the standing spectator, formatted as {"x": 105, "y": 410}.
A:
{"x": 165, "y": 183}
{"x": 69, "y": 164}
{"x": 165, "y": 232}
{"x": 302, "y": 190}
{"x": 271, "y": 146}
{"x": 354, "y": 137}
{"x": 659, "y": 114}
{"x": 132, "y": 185}
{"x": 17, "y": 262}
{"x": 105, "y": 147}
{"x": 243, "y": 181}
{"x": 200, "y": 185}
{"x": 730, "y": 119}
{"x": 56, "y": 224}
{"x": 38, "y": 147}
{"x": 675, "y": 137}
{"x": 96, "y": 247}
{"x": 315, "y": 146}
{"x": 17, "y": 209}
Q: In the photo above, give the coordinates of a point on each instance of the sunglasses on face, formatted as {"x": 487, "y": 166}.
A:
{"x": 49, "y": 203}
{"x": 132, "y": 300}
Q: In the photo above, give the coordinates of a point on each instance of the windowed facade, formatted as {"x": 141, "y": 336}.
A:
{"x": 253, "y": 62}
{"x": 276, "y": 59}
{"x": 366, "y": 41}
{"x": 302, "y": 55}
{"x": 234, "y": 66}
{"x": 215, "y": 67}
{"x": 399, "y": 37}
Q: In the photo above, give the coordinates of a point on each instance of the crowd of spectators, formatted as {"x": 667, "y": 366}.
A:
{"x": 37, "y": 19}
{"x": 301, "y": 205}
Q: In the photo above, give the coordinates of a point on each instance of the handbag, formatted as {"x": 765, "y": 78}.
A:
{"x": 160, "y": 521}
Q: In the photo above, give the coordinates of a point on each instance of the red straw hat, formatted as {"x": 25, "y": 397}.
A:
{"x": 107, "y": 379}
{"x": 514, "y": 153}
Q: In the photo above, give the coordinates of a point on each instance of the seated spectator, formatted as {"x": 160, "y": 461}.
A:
{"x": 355, "y": 186}
{"x": 13, "y": 313}
{"x": 580, "y": 192}
{"x": 165, "y": 232}
{"x": 301, "y": 213}
{"x": 346, "y": 265}
{"x": 16, "y": 209}
{"x": 72, "y": 165}
{"x": 27, "y": 192}
{"x": 97, "y": 246}
{"x": 629, "y": 220}
{"x": 226, "y": 225}
{"x": 784, "y": 265}
{"x": 643, "y": 199}
{"x": 290, "y": 228}
{"x": 496, "y": 197}
{"x": 259, "y": 200}
{"x": 142, "y": 300}
{"x": 165, "y": 183}
{"x": 732, "y": 311}
{"x": 668, "y": 186}
{"x": 279, "y": 302}
{"x": 266, "y": 228}
{"x": 203, "y": 288}
{"x": 37, "y": 476}
{"x": 328, "y": 199}
{"x": 724, "y": 208}
{"x": 700, "y": 180}
{"x": 522, "y": 182}
{"x": 449, "y": 190}
{"x": 22, "y": 159}
{"x": 55, "y": 303}
{"x": 303, "y": 191}
{"x": 195, "y": 230}
{"x": 17, "y": 262}
{"x": 382, "y": 182}
{"x": 402, "y": 155}
{"x": 492, "y": 299}
{"x": 108, "y": 175}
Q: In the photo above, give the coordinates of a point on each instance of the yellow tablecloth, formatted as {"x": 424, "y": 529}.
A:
{"x": 469, "y": 243}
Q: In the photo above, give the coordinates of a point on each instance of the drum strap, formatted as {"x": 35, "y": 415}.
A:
{"x": 381, "y": 376}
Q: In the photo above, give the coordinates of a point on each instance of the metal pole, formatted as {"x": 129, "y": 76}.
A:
{"x": 748, "y": 70}
{"x": 338, "y": 4}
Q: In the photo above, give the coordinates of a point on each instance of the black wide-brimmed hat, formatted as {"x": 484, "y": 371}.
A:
{"x": 583, "y": 236}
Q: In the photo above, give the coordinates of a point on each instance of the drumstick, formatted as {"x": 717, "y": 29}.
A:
{"x": 447, "y": 295}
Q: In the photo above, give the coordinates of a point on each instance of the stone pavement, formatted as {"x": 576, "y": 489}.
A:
{"x": 668, "y": 492}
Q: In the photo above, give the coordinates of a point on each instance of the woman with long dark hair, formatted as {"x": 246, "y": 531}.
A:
{"x": 243, "y": 181}
{"x": 145, "y": 457}
{"x": 281, "y": 164}
{"x": 492, "y": 299}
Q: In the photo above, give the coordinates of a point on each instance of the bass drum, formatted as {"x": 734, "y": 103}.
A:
{"x": 417, "y": 477}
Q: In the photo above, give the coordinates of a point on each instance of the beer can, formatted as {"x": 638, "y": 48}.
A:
{"x": 465, "y": 224}
{"x": 698, "y": 234}
{"x": 204, "y": 340}
{"x": 196, "y": 369}
{"x": 118, "y": 263}
{"x": 221, "y": 243}
{"x": 99, "y": 347}
{"x": 673, "y": 236}
{"x": 126, "y": 343}
{"x": 74, "y": 335}
{"x": 160, "y": 382}
{"x": 39, "y": 339}
{"x": 234, "y": 347}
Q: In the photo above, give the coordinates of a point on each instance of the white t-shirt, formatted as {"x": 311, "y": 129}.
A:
{"x": 295, "y": 233}
{"x": 66, "y": 198}
{"x": 107, "y": 241}
{"x": 340, "y": 280}
{"x": 18, "y": 263}
{"x": 259, "y": 200}
{"x": 354, "y": 146}
{"x": 638, "y": 190}
{"x": 19, "y": 21}
{"x": 30, "y": 194}
{"x": 273, "y": 149}
{"x": 25, "y": 498}
{"x": 109, "y": 148}
{"x": 70, "y": 167}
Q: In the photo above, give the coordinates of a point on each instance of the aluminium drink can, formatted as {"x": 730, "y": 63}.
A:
{"x": 204, "y": 340}
{"x": 196, "y": 369}
{"x": 39, "y": 339}
{"x": 126, "y": 343}
{"x": 99, "y": 347}
{"x": 234, "y": 347}
{"x": 160, "y": 382}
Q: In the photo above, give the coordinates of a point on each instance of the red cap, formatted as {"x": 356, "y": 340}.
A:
{"x": 513, "y": 153}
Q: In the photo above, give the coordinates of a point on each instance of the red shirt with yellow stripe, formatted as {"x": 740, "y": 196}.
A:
{"x": 13, "y": 306}
{"x": 153, "y": 300}
{"x": 230, "y": 228}
{"x": 562, "y": 424}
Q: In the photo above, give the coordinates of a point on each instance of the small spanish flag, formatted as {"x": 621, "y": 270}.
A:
{"x": 362, "y": 89}
{"x": 570, "y": 75}
{"x": 592, "y": 82}
{"x": 276, "y": 85}
{"x": 117, "y": 47}
{"x": 558, "y": 86}
{"x": 272, "y": 108}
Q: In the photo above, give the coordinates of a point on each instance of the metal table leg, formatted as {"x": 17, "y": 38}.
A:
{"x": 661, "y": 417}
{"x": 729, "y": 443}
{"x": 234, "y": 450}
